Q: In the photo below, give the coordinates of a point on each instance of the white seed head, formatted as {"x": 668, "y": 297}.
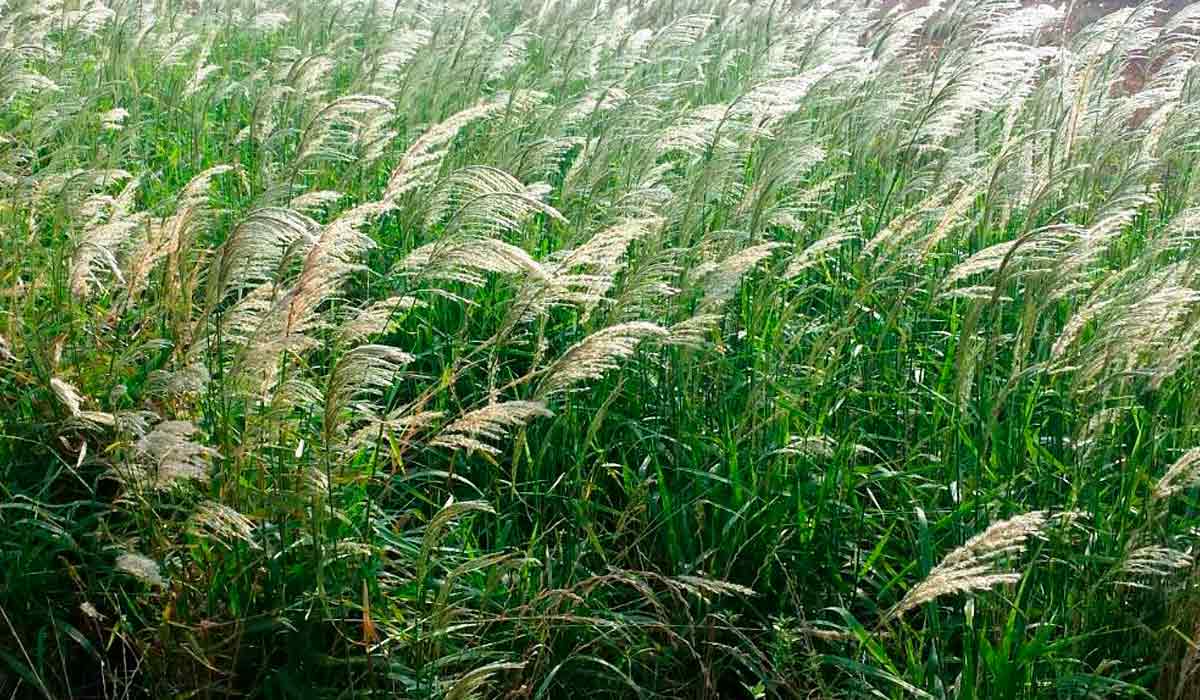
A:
{"x": 142, "y": 568}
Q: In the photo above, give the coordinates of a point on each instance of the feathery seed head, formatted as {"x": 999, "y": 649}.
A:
{"x": 592, "y": 357}
{"x": 972, "y": 567}
{"x": 223, "y": 522}
{"x": 1182, "y": 474}
{"x": 492, "y": 423}
{"x": 167, "y": 456}
{"x": 142, "y": 568}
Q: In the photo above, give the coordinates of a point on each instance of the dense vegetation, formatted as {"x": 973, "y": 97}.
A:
{"x": 679, "y": 348}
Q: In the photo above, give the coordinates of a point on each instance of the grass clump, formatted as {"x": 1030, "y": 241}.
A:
{"x": 700, "y": 349}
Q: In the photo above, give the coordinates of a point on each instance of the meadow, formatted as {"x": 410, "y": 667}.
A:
{"x": 548, "y": 348}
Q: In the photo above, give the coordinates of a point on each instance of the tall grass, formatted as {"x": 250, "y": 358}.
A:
{"x": 680, "y": 348}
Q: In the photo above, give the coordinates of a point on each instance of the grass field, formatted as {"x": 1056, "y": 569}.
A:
{"x": 678, "y": 348}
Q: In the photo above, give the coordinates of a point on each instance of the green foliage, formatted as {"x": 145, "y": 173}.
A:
{"x": 701, "y": 349}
